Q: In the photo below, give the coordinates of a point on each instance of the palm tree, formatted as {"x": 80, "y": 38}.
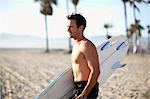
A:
{"x": 67, "y": 6}
{"x": 75, "y": 3}
{"x": 138, "y": 34}
{"x": 137, "y": 24}
{"x": 125, "y": 14}
{"x": 46, "y": 9}
{"x": 133, "y": 4}
{"x": 107, "y": 26}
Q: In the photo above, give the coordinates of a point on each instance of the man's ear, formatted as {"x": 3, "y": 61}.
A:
{"x": 81, "y": 27}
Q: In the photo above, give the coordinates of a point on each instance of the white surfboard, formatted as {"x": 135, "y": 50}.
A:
{"x": 110, "y": 53}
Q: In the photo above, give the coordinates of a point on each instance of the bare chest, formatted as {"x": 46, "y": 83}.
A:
{"x": 77, "y": 56}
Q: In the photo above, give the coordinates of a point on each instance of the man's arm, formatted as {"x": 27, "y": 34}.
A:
{"x": 90, "y": 53}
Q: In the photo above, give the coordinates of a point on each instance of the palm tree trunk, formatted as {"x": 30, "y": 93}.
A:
{"x": 134, "y": 14}
{"x": 69, "y": 40}
{"x": 148, "y": 41}
{"x": 125, "y": 14}
{"x": 107, "y": 34}
{"x": 46, "y": 30}
{"x": 67, "y": 6}
{"x": 75, "y": 8}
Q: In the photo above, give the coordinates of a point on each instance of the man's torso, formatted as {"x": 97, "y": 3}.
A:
{"x": 80, "y": 67}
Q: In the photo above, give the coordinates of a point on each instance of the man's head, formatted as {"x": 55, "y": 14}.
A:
{"x": 80, "y": 20}
{"x": 77, "y": 24}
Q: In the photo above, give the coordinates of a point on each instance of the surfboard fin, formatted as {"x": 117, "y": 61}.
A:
{"x": 105, "y": 45}
{"x": 117, "y": 65}
{"x": 122, "y": 45}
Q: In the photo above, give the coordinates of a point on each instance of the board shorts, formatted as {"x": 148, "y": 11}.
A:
{"x": 79, "y": 87}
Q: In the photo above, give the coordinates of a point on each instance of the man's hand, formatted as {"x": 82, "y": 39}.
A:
{"x": 81, "y": 96}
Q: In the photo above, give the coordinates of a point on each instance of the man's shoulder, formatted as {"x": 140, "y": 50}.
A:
{"x": 87, "y": 44}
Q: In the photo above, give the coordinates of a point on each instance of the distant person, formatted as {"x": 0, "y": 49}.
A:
{"x": 85, "y": 62}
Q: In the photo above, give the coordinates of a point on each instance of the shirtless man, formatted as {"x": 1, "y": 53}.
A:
{"x": 85, "y": 64}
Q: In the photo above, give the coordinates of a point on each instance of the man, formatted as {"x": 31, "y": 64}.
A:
{"x": 85, "y": 64}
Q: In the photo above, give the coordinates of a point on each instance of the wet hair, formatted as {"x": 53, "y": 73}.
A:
{"x": 80, "y": 20}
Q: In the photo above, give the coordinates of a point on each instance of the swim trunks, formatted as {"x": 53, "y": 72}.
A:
{"x": 79, "y": 87}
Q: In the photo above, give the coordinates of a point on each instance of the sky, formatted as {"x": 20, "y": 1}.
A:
{"x": 23, "y": 17}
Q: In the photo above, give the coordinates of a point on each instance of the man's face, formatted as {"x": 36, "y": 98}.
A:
{"x": 72, "y": 29}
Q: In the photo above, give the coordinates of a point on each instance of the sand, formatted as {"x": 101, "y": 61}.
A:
{"x": 131, "y": 81}
{"x": 24, "y": 72}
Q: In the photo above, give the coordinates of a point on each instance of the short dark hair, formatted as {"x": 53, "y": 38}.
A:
{"x": 80, "y": 20}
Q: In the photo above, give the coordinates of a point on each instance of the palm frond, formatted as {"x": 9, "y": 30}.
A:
{"x": 75, "y": 2}
{"x": 136, "y": 8}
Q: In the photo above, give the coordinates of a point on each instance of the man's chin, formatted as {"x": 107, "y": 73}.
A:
{"x": 70, "y": 36}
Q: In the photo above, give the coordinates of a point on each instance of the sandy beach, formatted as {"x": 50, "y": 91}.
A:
{"x": 24, "y": 72}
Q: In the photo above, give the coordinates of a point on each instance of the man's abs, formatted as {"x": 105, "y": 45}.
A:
{"x": 80, "y": 73}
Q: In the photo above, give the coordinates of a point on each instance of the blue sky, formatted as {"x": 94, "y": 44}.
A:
{"x": 22, "y": 17}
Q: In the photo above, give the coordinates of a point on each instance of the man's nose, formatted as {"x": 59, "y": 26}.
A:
{"x": 68, "y": 29}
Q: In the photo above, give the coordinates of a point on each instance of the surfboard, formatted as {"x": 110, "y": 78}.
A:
{"x": 110, "y": 53}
